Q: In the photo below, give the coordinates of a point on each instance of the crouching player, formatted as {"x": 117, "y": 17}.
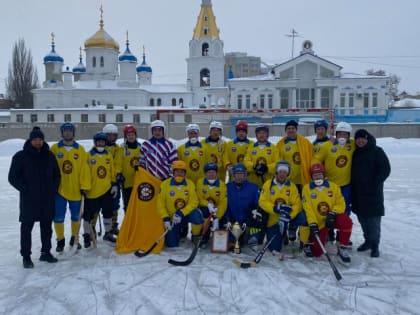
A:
{"x": 281, "y": 200}
{"x": 177, "y": 205}
{"x": 324, "y": 206}
{"x": 103, "y": 189}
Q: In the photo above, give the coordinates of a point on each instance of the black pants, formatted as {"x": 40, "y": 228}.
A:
{"x": 104, "y": 203}
{"x": 26, "y": 237}
{"x": 371, "y": 227}
{"x": 126, "y": 196}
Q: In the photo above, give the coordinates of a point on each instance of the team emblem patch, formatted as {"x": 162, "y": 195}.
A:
{"x": 268, "y": 151}
{"x": 93, "y": 161}
{"x": 341, "y": 161}
{"x": 194, "y": 165}
{"x": 67, "y": 167}
{"x": 186, "y": 192}
{"x": 101, "y": 172}
{"x": 280, "y": 201}
{"x": 240, "y": 158}
{"x": 254, "y": 152}
{"x": 200, "y": 153}
{"x": 323, "y": 208}
{"x": 186, "y": 153}
{"x": 333, "y": 149}
{"x": 217, "y": 193}
{"x": 171, "y": 193}
{"x": 272, "y": 192}
{"x": 60, "y": 155}
{"x": 330, "y": 194}
{"x": 75, "y": 156}
{"x": 179, "y": 204}
{"x": 296, "y": 158}
{"x": 288, "y": 148}
{"x": 314, "y": 196}
{"x": 348, "y": 147}
{"x": 107, "y": 161}
{"x": 234, "y": 149}
{"x": 145, "y": 191}
{"x": 288, "y": 193}
{"x": 127, "y": 153}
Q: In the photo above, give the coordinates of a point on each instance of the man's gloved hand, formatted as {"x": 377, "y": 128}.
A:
{"x": 215, "y": 224}
{"x": 177, "y": 218}
{"x": 260, "y": 169}
{"x": 83, "y": 192}
{"x": 212, "y": 208}
{"x": 167, "y": 224}
{"x": 330, "y": 220}
{"x": 313, "y": 227}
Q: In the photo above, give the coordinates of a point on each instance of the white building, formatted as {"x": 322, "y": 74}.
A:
{"x": 112, "y": 87}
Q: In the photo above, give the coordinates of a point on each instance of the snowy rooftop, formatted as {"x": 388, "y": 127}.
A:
{"x": 407, "y": 102}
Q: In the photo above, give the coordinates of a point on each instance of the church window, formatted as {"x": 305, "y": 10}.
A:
{"x": 181, "y": 102}
{"x": 152, "y": 102}
{"x": 206, "y": 18}
{"x": 365, "y": 100}
{"x": 205, "y": 77}
{"x": 248, "y": 101}
{"x": 270, "y": 101}
{"x": 239, "y": 101}
{"x": 173, "y": 102}
{"x": 262, "y": 100}
{"x": 205, "y": 49}
{"x": 159, "y": 102}
{"x": 206, "y": 31}
{"x": 374, "y": 99}
{"x": 94, "y": 62}
{"x": 342, "y": 99}
{"x": 102, "y": 62}
{"x": 351, "y": 99}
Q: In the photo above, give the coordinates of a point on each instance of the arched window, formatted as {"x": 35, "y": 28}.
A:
{"x": 102, "y": 62}
{"x": 325, "y": 98}
{"x": 174, "y": 102}
{"x": 205, "y": 49}
{"x": 152, "y": 102}
{"x": 159, "y": 102}
{"x": 94, "y": 62}
{"x": 181, "y": 102}
{"x": 205, "y": 77}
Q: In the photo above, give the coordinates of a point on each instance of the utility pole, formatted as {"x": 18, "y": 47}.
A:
{"x": 293, "y": 34}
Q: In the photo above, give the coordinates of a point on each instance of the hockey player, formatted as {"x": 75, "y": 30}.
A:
{"x": 104, "y": 189}
{"x": 130, "y": 161}
{"x": 281, "y": 200}
{"x": 337, "y": 157}
{"x": 236, "y": 149}
{"x": 320, "y": 128}
{"x": 261, "y": 157}
{"x": 75, "y": 181}
{"x": 214, "y": 148}
{"x": 112, "y": 147}
{"x": 242, "y": 203}
{"x": 212, "y": 197}
{"x": 177, "y": 204}
{"x": 158, "y": 153}
{"x": 192, "y": 153}
{"x": 298, "y": 151}
{"x": 324, "y": 207}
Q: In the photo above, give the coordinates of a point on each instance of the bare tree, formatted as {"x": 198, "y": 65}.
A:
{"x": 22, "y": 76}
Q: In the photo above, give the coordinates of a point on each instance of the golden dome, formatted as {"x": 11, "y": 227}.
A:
{"x": 101, "y": 38}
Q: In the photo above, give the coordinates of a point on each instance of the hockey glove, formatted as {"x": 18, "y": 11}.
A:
{"x": 330, "y": 220}
{"x": 215, "y": 224}
{"x": 120, "y": 179}
{"x": 83, "y": 192}
{"x": 167, "y": 224}
{"x": 177, "y": 218}
{"x": 212, "y": 208}
{"x": 313, "y": 227}
{"x": 260, "y": 169}
{"x": 114, "y": 191}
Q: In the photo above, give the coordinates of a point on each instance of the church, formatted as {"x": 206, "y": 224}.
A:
{"x": 108, "y": 86}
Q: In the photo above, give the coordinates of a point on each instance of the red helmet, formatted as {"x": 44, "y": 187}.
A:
{"x": 129, "y": 128}
{"x": 317, "y": 168}
{"x": 241, "y": 125}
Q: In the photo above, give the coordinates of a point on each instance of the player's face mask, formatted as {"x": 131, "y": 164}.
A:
{"x": 318, "y": 182}
{"x": 100, "y": 149}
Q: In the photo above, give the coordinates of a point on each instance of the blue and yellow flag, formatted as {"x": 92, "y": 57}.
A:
{"x": 142, "y": 225}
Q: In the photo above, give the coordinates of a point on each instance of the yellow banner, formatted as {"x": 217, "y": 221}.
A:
{"x": 142, "y": 225}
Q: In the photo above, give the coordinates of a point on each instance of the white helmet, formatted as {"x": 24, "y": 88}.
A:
{"x": 216, "y": 124}
{"x": 110, "y": 128}
{"x": 343, "y": 127}
{"x": 157, "y": 123}
{"x": 192, "y": 127}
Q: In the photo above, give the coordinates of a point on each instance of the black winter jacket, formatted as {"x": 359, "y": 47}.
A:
{"x": 36, "y": 176}
{"x": 370, "y": 168}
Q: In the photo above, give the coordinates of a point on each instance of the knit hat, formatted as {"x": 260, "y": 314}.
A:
{"x": 361, "y": 133}
{"x": 36, "y": 133}
{"x": 291, "y": 123}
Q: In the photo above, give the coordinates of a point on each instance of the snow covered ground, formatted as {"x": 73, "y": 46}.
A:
{"x": 98, "y": 281}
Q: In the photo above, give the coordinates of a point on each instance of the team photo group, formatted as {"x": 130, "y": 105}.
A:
{"x": 294, "y": 193}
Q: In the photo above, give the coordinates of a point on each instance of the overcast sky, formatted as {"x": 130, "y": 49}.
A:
{"x": 357, "y": 34}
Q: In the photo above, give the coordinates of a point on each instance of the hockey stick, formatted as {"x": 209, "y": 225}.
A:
{"x": 140, "y": 254}
{"x": 190, "y": 259}
{"x": 257, "y": 258}
{"x": 333, "y": 267}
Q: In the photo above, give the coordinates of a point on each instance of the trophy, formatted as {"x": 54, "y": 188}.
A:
{"x": 237, "y": 231}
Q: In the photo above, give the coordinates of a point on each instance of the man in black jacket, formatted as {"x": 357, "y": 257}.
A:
{"x": 370, "y": 169}
{"x": 35, "y": 174}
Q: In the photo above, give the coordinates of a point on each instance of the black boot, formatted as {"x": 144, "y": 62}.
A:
{"x": 86, "y": 240}
{"x": 48, "y": 258}
{"x": 375, "y": 251}
{"x": 364, "y": 247}
{"x": 109, "y": 237}
{"x": 27, "y": 262}
{"x": 60, "y": 245}
{"x": 71, "y": 243}
{"x": 292, "y": 233}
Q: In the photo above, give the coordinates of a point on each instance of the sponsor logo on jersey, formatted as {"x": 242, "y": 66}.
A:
{"x": 268, "y": 151}
{"x": 75, "y": 156}
{"x": 145, "y": 191}
{"x": 288, "y": 192}
{"x": 186, "y": 192}
{"x": 330, "y": 194}
{"x": 107, "y": 161}
{"x": 217, "y": 193}
{"x": 200, "y": 153}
